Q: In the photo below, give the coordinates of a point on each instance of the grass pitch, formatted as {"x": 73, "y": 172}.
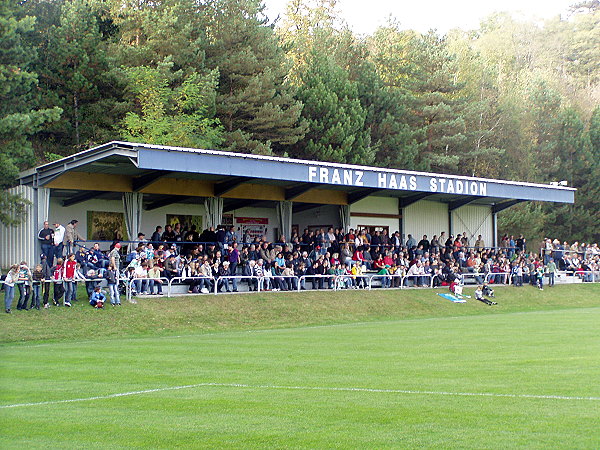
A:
{"x": 384, "y": 369}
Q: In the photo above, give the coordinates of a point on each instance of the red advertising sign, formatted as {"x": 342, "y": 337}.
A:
{"x": 252, "y": 220}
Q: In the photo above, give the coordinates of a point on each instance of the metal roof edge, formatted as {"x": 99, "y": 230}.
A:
{"x": 344, "y": 166}
{"x": 134, "y": 146}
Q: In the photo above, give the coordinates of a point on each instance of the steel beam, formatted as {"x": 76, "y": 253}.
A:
{"x": 461, "y": 202}
{"x": 226, "y": 186}
{"x": 166, "y": 201}
{"x": 297, "y": 191}
{"x": 504, "y": 205}
{"x": 354, "y": 197}
{"x": 147, "y": 179}
{"x": 85, "y": 196}
{"x": 405, "y": 202}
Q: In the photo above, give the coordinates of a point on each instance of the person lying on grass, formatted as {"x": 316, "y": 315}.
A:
{"x": 479, "y": 296}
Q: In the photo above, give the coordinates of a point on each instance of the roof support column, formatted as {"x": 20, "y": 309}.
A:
{"x": 132, "y": 206}
{"x": 495, "y": 228}
{"x": 345, "y": 218}
{"x": 214, "y": 211}
{"x": 284, "y": 215}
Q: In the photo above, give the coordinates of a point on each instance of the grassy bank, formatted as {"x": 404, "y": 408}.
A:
{"x": 208, "y": 313}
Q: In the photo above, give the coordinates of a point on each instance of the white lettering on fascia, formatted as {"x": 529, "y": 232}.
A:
{"x": 348, "y": 177}
{"x": 324, "y": 175}
{"x": 413, "y": 183}
{"x": 358, "y": 180}
{"x": 335, "y": 178}
{"x": 445, "y": 186}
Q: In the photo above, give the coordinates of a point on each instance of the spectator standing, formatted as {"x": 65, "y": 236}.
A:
{"x": 114, "y": 257}
{"x": 69, "y": 268}
{"x": 169, "y": 234}
{"x": 551, "y": 270}
{"x": 234, "y": 260}
{"x": 57, "y": 279}
{"x": 112, "y": 279}
{"x": 23, "y": 285}
{"x": 156, "y": 237}
{"x": 479, "y": 244}
{"x": 59, "y": 236}
{"x": 46, "y": 239}
{"x": 36, "y": 284}
{"x": 71, "y": 236}
{"x": 47, "y": 283}
{"x": 12, "y": 277}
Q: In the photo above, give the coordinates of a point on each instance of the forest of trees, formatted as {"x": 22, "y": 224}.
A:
{"x": 511, "y": 99}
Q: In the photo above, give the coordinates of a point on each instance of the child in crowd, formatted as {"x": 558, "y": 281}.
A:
{"x": 112, "y": 279}
{"x": 57, "y": 279}
{"x": 479, "y": 295}
{"x": 98, "y": 298}
{"x": 488, "y": 291}
{"x": 23, "y": 285}
{"x": 38, "y": 279}
{"x": 12, "y": 277}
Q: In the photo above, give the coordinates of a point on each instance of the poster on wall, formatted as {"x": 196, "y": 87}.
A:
{"x": 106, "y": 226}
{"x": 185, "y": 221}
{"x": 227, "y": 220}
{"x": 256, "y": 227}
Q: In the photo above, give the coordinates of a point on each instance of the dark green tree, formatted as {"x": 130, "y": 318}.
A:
{"x": 439, "y": 104}
{"x": 76, "y": 75}
{"x": 334, "y": 113}
{"x": 20, "y": 115}
{"x": 255, "y": 103}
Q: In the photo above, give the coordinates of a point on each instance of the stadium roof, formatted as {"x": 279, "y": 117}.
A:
{"x": 175, "y": 175}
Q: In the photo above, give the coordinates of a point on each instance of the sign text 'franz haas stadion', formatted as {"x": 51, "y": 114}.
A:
{"x": 383, "y": 180}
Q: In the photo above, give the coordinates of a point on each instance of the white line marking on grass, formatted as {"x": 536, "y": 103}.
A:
{"x": 306, "y": 388}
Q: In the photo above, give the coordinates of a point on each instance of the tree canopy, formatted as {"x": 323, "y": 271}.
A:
{"x": 510, "y": 99}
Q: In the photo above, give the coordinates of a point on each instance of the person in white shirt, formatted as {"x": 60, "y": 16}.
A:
{"x": 141, "y": 275}
{"x": 59, "y": 236}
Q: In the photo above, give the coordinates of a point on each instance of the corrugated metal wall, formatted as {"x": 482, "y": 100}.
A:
{"x": 19, "y": 243}
{"x": 425, "y": 217}
{"x": 475, "y": 220}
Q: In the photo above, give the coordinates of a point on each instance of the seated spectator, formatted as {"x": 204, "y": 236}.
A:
{"x": 97, "y": 298}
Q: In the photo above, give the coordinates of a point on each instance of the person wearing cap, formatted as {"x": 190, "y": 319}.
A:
{"x": 114, "y": 257}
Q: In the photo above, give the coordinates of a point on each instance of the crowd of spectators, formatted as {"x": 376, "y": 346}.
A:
{"x": 321, "y": 259}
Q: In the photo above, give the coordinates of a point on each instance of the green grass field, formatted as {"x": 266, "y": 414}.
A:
{"x": 380, "y": 369}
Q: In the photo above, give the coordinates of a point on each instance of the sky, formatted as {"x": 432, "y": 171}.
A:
{"x": 364, "y": 16}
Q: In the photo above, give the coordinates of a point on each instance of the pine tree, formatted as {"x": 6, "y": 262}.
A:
{"x": 20, "y": 115}
{"x": 255, "y": 104}
{"x": 334, "y": 113}
{"x": 440, "y": 103}
{"x": 75, "y": 74}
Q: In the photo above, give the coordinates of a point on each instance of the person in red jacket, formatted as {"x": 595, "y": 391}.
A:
{"x": 69, "y": 268}
{"x": 57, "y": 280}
